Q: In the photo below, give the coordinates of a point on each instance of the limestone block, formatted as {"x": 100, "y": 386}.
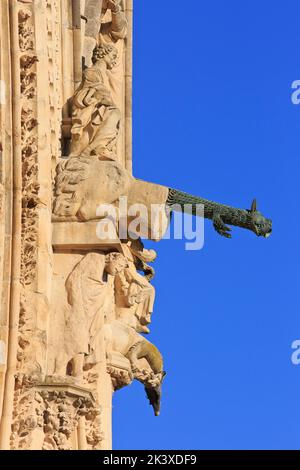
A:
{"x": 68, "y": 236}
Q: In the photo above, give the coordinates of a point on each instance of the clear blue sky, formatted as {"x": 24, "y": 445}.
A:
{"x": 213, "y": 116}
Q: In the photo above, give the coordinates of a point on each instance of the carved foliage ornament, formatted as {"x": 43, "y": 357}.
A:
{"x": 48, "y": 415}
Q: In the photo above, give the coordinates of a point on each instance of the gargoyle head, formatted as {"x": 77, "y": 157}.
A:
{"x": 154, "y": 395}
{"x": 261, "y": 226}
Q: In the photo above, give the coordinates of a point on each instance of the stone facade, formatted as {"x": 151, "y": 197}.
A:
{"x": 73, "y": 306}
{"x": 75, "y": 279}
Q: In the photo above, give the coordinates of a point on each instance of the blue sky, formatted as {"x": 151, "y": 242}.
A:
{"x": 213, "y": 116}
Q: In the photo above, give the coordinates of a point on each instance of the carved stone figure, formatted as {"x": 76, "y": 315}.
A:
{"x": 96, "y": 118}
{"x": 87, "y": 310}
{"x": 83, "y": 183}
{"x": 134, "y": 293}
{"x": 126, "y": 341}
{"x": 153, "y": 383}
{"x": 94, "y": 324}
{"x": 113, "y": 30}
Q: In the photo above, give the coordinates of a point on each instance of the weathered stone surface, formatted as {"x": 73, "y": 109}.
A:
{"x": 73, "y": 305}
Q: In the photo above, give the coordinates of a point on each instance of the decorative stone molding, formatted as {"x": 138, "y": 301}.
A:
{"x": 121, "y": 375}
{"x": 29, "y": 148}
{"x": 26, "y": 37}
{"x": 30, "y": 188}
{"x": 54, "y": 75}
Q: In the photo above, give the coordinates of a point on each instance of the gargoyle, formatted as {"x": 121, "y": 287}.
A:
{"x": 123, "y": 339}
{"x": 220, "y": 214}
{"x": 145, "y": 349}
{"x": 83, "y": 184}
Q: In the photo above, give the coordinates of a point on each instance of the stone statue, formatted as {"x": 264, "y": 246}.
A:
{"x": 147, "y": 350}
{"x": 95, "y": 117}
{"x": 134, "y": 293}
{"x": 88, "y": 307}
{"x": 113, "y": 30}
{"x": 93, "y": 325}
{"x": 127, "y": 342}
{"x": 82, "y": 183}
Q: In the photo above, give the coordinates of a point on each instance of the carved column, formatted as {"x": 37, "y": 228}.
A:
{"x": 15, "y": 287}
{"x": 6, "y": 196}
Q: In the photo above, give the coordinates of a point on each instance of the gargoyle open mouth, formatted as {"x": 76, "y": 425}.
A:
{"x": 264, "y": 228}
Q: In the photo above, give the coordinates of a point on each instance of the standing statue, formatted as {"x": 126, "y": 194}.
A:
{"x": 89, "y": 306}
{"x": 95, "y": 117}
{"x": 113, "y": 31}
{"x": 134, "y": 294}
